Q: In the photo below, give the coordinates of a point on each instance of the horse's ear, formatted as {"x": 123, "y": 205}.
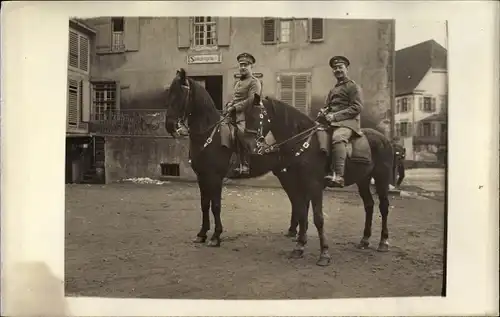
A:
{"x": 182, "y": 74}
{"x": 256, "y": 99}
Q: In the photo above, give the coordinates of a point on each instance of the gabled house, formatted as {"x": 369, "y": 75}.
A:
{"x": 421, "y": 100}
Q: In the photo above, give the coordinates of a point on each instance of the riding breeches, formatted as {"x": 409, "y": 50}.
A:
{"x": 341, "y": 134}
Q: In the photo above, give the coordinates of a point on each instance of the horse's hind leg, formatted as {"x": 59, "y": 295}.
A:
{"x": 215, "y": 196}
{"x": 366, "y": 196}
{"x": 302, "y": 210}
{"x": 382, "y": 187}
{"x": 288, "y": 184}
{"x": 201, "y": 237}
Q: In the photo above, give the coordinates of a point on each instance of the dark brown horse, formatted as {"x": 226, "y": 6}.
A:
{"x": 371, "y": 159}
{"x": 300, "y": 170}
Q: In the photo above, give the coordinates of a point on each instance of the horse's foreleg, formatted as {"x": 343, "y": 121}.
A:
{"x": 366, "y": 196}
{"x": 288, "y": 186}
{"x": 317, "y": 205}
{"x": 201, "y": 237}
{"x": 302, "y": 203}
{"x": 383, "y": 195}
{"x": 215, "y": 196}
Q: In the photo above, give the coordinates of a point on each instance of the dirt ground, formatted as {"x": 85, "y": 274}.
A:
{"x": 129, "y": 240}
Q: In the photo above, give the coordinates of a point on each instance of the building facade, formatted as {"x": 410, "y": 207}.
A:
{"x": 79, "y": 142}
{"x": 134, "y": 59}
{"x": 422, "y": 101}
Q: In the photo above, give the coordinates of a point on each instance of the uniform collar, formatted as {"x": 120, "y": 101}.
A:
{"x": 343, "y": 81}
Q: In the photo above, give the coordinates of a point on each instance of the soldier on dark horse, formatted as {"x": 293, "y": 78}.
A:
{"x": 244, "y": 90}
{"x": 342, "y": 111}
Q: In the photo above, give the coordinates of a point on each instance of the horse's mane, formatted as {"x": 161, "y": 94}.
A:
{"x": 290, "y": 118}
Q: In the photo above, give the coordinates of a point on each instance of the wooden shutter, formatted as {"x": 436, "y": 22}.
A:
{"x": 409, "y": 131}
{"x": 316, "y": 29}
{"x": 85, "y": 108}
{"x": 269, "y": 31}
{"x": 421, "y": 103}
{"x": 286, "y": 89}
{"x": 131, "y": 32}
{"x": 103, "y": 36}
{"x": 433, "y": 104}
{"x": 73, "y": 96}
{"x": 223, "y": 31}
{"x": 301, "y": 93}
{"x": 84, "y": 53}
{"x": 73, "y": 49}
{"x": 183, "y": 32}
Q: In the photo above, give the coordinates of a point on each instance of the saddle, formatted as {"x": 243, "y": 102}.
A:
{"x": 358, "y": 148}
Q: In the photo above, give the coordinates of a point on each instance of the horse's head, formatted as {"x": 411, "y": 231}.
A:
{"x": 257, "y": 116}
{"x": 178, "y": 100}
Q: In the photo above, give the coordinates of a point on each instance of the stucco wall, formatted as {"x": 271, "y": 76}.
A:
{"x": 131, "y": 157}
{"x": 369, "y": 44}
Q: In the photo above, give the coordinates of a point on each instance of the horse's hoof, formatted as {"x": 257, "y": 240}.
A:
{"x": 213, "y": 243}
{"x": 363, "y": 244}
{"x": 291, "y": 234}
{"x": 297, "y": 254}
{"x": 200, "y": 240}
{"x": 324, "y": 260}
{"x": 383, "y": 247}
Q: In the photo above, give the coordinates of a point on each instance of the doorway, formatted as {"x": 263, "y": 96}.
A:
{"x": 213, "y": 84}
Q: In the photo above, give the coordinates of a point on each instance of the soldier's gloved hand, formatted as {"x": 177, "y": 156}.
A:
{"x": 230, "y": 109}
{"x": 330, "y": 117}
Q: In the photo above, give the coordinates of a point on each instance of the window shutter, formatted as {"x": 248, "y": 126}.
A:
{"x": 183, "y": 32}
{"x": 223, "y": 31}
{"x": 316, "y": 29}
{"x": 398, "y": 129}
{"x": 131, "y": 32}
{"x": 73, "y": 49}
{"x": 73, "y": 97}
{"x": 84, "y": 53}
{"x": 301, "y": 101}
{"x": 286, "y": 89}
{"x": 433, "y": 105}
{"x": 410, "y": 103}
{"x": 421, "y": 103}
{"x": 118, "y": 91}
{"x": 85, "y": 108}
{"x": 103, "y": 36}
{"x": 269, "y": 31}
{"x": 409, "y": 131}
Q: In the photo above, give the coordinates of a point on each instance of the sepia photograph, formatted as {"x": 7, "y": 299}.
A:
{"x": 200, "y": 148}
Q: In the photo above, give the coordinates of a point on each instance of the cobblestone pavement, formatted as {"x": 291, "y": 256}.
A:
{"x": 130, "y": 240}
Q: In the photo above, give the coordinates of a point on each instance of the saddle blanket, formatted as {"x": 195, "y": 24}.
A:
{"x": 358, "y": 148}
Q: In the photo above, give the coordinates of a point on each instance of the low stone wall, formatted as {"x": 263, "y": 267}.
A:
{"x": 135, "y": 157}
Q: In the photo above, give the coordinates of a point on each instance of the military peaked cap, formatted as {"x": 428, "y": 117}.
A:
{"x": 246, "y": 57}
{"x": 339, "y": 59}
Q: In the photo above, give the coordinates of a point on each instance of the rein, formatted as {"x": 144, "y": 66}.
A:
{"x": 263, "y": 147}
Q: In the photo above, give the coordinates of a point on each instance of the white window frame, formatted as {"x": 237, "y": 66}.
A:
{"x": 291, "y": 34}
{"x": 205, "y": 23}
{"x": 101, "y": 113}
{"x": 117, "y": 37}
{"x": 78, "y": 69}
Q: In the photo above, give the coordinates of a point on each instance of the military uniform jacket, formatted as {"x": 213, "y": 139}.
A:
{"x": 243, "y": 95}
{"x": 344, "y": 101}
{"x": 399, "y": 151}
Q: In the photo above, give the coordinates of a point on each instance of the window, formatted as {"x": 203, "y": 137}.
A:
{"x": 426, "y": 129}
{"x": 428, "y": 104}
{"x": 404, "y": 104}
{"x": 74, "y": 100}
{"x": 294, "y": 90}
{"x": 292, "y": 30}
{"x": 285, "y": 30}
{"x": 79, "y": 51}
{"x": 205, "y": 33}
{"x": 403, "y": 129}
{"x": 118, "y": 29}
{"x": 105, "y": 100}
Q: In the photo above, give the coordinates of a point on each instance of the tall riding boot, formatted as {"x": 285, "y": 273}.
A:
{"x": 339, "y": 156}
